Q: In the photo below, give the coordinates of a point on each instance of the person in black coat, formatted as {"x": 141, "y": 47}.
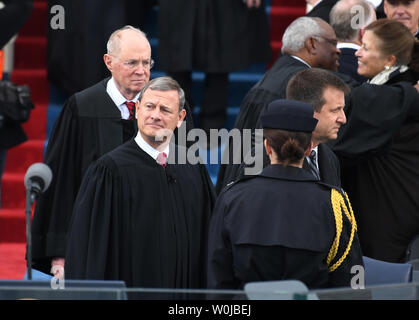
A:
{"x": 326, "y": 93}
{"x": 307, "y": 42}
{"x": 283, "y": 224}
{"x": 215, "y": 37}
{"x": 12, "y": 17}
{"x": 379, "y": 146}
{"x": 141, "y": 214}
{"x": 91, "y": 123}
{"x": 321, "y": 9}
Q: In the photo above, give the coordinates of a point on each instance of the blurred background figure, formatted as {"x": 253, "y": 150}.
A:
{"x": 13, "y": 14}
{"x": 320, "y": 8}
{"x": 216, "y": 37}
{"x": 75, "y": 53}
{"x": 349, "y": 18}
{"x": 404, "y": 11}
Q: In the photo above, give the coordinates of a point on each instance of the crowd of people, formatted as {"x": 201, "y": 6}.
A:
{"x": 339, "y": 111}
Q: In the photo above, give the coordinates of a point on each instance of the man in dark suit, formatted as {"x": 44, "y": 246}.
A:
{"x": 307, "y": 42}
{"x": 324, "y": 91}
{"x": 320, "y": 8}
{"x": 344, "y": 20}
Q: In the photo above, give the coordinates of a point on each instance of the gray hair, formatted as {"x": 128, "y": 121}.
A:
{"x": 297, "y": 32}
{"x": 114, "y": 43}
{"x": 348, "y": 17}
{"x": 165, "y": 84}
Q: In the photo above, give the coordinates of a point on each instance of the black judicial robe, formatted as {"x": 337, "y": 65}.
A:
{"x": 379, "y": 152}
{"x": 272, "y": 86}
{"x": 88, "y": 126}
{"x": 139, "y": 222}
{"x": 276, "y": 226}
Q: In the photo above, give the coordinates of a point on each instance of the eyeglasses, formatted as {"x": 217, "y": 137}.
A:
{"x": 333, "y": 42}
{"x": 133, "y": 64}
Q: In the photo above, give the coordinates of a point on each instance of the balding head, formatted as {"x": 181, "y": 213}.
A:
{"x": 349, "y": 17}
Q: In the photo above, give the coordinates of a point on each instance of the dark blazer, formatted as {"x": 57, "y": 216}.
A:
{"x": 329, "y": 166}
{"x": 272, "y": 86}
{"x": 322, "y": 10}
{"x": 348, "y": 64}
{"x": 275, "y": 226}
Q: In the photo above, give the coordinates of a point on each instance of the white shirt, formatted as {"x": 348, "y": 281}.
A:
{"x": 316, "y": 157}
{"x": 118, "y": 98}
{"x": 149, "y": 149}
{"x": 348, "y": 45}
{"x": 301, "y": 60}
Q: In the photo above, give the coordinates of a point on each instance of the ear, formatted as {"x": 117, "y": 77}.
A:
{"x": 391, "y": 60}
{"x": 108, "y": 61}
{"x": 182, "y": 115}
{"x": 310, "y": 45}
{"x": 267, "y": 147}
{"x": 360, "y": 35}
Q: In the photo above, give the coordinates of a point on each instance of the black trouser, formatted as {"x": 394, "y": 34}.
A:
{"x": 214, "y": 106}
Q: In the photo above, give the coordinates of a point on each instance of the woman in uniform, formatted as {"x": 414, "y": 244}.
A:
{"x": 284, "y": 223}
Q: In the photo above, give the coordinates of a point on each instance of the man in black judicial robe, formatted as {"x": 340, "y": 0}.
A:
{"x": 141, "y": 221}
{"x": 91, "y": 123}
{"x": 75, "y": 50}
{"x": 313, "y": 51}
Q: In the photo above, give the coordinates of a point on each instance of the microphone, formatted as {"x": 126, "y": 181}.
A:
{"x": 37, "y": 179}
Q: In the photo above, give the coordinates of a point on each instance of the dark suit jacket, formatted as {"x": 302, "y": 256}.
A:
{"x": 322, "y": 10}
{"x": 348, "y": 64}
{"x": 271, "y": 87}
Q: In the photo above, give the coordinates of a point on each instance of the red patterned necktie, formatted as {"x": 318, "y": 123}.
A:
{"x": 131, "y": 106}
{"x": 161, "y": 159}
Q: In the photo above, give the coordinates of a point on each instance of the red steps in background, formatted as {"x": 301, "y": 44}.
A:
{"x": 30, "y": 69}
{"x": 283, "y": 12}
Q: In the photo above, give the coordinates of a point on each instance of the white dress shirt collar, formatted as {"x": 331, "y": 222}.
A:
{"x": 149, "y": 149}
{"x": 118, "y": 98}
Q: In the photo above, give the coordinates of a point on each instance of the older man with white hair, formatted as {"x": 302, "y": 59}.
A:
{"x": 307, "y": 42}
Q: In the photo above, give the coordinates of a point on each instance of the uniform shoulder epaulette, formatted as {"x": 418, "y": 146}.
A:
{"x": 340, "y": 203}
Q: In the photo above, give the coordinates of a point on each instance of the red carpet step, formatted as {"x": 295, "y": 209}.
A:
{"x": 12, "y": 260}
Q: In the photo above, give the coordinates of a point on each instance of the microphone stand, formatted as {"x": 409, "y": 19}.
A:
{"x": 28, "y": 212}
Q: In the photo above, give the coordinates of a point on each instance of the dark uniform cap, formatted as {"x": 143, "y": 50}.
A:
{"x": 289, "y": 115}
